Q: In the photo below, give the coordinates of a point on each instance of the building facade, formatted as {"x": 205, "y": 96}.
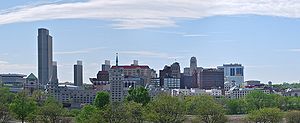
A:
{"x": 44, "y": 56}
{"x": 15, "y": 82}
{"x": 233, "y": 73}
{"x": 78, "y": 74}
{"x": 211, "y": 79}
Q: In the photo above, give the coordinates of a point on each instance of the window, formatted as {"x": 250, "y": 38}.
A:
{"x": 232, "y": 71}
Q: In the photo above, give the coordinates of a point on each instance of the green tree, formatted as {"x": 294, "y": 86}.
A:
{"x": 51, "y": 110}
{"x": 206, "y": 108}
{"x": 5, "y": 99}
{"x": 257, "y": 100}
{"x": 236, "y": 106}
{"x": 165, "y": 109}
{"x": 266, "y": 115}
{"x": 115, "y": 113}
{"x": 89, "y": 114}
{"x": 134, "y": 112}
{"x": 101, "y": 100}
{"x": 23, "y": 106}
{"x": 293, "y": 117}
{"x": 139, "y": 95}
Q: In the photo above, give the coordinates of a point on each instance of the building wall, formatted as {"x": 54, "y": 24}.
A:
{"x": 116, "y": 78}
{"x": 211, "y": 79}
{"x": 78, "y": 74}
{"x": 44, "y": 56}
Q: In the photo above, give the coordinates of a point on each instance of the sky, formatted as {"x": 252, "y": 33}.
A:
{"x": 263, "y": 35}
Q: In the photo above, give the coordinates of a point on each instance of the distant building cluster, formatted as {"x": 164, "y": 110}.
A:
{"x": 223, "y": 81}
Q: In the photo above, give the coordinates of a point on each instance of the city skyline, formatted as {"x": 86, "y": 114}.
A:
{"x": 266, "y": 44}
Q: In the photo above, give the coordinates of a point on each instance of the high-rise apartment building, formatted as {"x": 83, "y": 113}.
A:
{"x": 44, "y": 56}
{"x": 78, "y": 74}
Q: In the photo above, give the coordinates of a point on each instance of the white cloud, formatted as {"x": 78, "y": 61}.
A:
{"x": 294, "y": 50}
{"x": 131, "y": 14}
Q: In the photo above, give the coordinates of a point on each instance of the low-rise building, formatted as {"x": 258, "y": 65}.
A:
{"x": 72, "y": 95}
{"x": 294, "y": 92}
{"x": 15, "y": 82}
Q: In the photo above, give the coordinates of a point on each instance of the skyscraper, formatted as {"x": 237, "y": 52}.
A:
{"x": 44, "y": 56}
{"x": 53, "y": 78}
{"x": 78, "y": 79}
{"x": 116, "y": 78}
{"x": 193, "y": 65}
{"x": 106, "y": 65}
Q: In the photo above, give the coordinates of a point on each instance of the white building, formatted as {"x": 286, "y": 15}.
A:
{"x": 233, "y": 73}
{"x": 237, "y": 93}
{"x": 73, "y": 95}
{"x": 196, "y": 92}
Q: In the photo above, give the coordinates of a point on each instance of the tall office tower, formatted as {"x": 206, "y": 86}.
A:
{"x": 116, "y": 78}
{"x": 193, "y": 65}
{"x": 53, "y": 78}
{"x": 175, "y": 70}
{"x": 44, "y": 56}
{"x": 106, "y": 65}
{"x": 78, "y": 74}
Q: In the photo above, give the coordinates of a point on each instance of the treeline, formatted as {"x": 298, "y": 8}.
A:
{"x": 138, "y": 107}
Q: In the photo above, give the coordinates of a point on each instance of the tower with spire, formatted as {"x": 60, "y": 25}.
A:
{"x": 116, "y": 78}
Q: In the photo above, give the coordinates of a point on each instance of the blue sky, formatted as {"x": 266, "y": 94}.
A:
{"x": 261, "y": 35}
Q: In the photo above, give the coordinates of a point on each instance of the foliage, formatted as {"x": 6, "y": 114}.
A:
{"x": 5, "y": 99}
{"x": 89, "y": 114}
{"x": 101, "y": 100}
{"x": 206, "y": 108}
{"x": 236, "y": 106}
{"x": 134, "y": 112}
{"x": 51, "y": 110}
{"x": 139, "y": 95}
{"x": 165, "y": 109}
{"x": 23, "y": 106}
{"x": 266, "y": 115}
{"x": 293, "y": 117}
{"x": 290, "y": 103}
{"x": 257, "y": 100}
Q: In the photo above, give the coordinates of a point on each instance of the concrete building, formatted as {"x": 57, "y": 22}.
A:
{"x": 44, "y": 56}
{"x": 53, "y": 78}
{"x": 31, "y": 83}
{"x": 78, "y": 74}
{"x": 175, "y": 70}
{"x": 233, "y": 73}
{"x": 15, "y": 82}
{"x": 211, "y": 79}
{"x": 171, "y": 83}
{"x": 106, "y": 66}
{"x": 164, "y": 73}
{"x": 193, "y": 65}
{"x": 155, "y": 82}
{"x": 294, "y": 92}
{"x": 196, "y": 92}
{"x": 136, "y": 70}
{"x": 116, "y": 77}
{"x": 237, "y": 93}
{"x": 72, "y": 96}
